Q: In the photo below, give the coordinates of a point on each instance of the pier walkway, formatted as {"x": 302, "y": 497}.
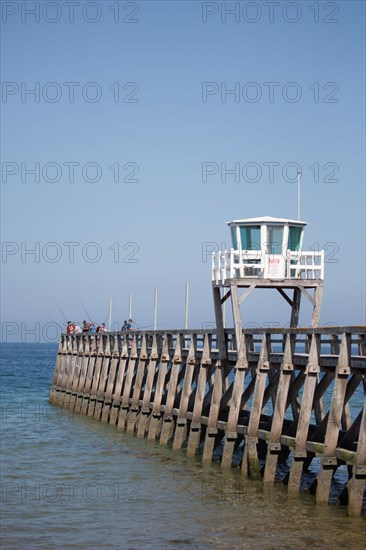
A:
{"x": 283, "y": 404}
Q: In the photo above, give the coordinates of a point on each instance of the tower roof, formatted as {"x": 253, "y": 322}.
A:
{"x": 267, "y": 219}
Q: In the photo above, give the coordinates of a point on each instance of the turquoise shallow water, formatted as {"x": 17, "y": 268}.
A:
{"x": 70, "y": 482}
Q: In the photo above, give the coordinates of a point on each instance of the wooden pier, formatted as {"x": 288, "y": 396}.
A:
{"x": 280, "y": 400}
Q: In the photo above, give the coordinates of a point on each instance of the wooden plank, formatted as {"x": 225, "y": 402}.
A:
{"x": 300, "y": 453}
{"x": 77, "y": 374}
{"x": 155, "y": 420}
{"x": 318, "y": 293}
{"x": 246, "y": 293}
{"x": 134, "y": 406}
{"x": 168, "y": 423}
{"x": 69, "y": 371}
{"x": 117, "y": 396}
{"x": 329, "y": 460}
{"x": 62, "y": 366}
{"x": 111, "y": 382}
{"x": 195, "y": 428}
{"x": 250, "y": 464}
{"x": 83, "y": 374}
{"x": 274, "y": 445}
{"x": 295, "y": 310}
{"x": 284, "y": 295}
{"x": 236, "y": 313}
{"x": 297, "y": 381}
{"x": 308, "y": 296}
{"x": 103, "y": 377}
{"x": 89, "y": 377}
{"x": 56, "y": 371}
{"x": 212, "y": 430}
{"x": 181, "y": 426}
{"x": 131, "y": 366}
{"x": 151, "y": 369}
{"x": 241, "y": 368}
{"x": 221, "y": 343}
{"x": 96, "y": 378}
{"x": 356, "y": 485}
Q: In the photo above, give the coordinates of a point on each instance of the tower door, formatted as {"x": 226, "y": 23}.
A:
{"x": 275, "y": 260}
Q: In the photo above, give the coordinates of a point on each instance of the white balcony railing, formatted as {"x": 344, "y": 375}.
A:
{"x": 249, "y": 264}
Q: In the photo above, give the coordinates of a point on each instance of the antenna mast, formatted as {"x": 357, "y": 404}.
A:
{"x": 155, "y": 308}
{"x": 187, "y": 299}
{"x": 110, "y": 315}
{"x": 130, "y": 306}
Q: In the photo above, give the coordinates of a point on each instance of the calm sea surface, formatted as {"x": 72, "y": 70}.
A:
{"x": 70, "y": 482}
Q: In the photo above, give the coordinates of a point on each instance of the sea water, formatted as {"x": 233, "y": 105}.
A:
{"x": 71, "y": 482}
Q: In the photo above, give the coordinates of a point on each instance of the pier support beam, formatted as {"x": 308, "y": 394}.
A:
{"x": 125, "y": 405}
{"x": 295, "y": 311}
{"x": 318, "y": 294}
{"x": 356, "y": 485}
{"x": 134, "y": 405}
{"x": 241, "y": 369}
{"x": 181, "y": 427}
{"x": 274, "y": 446}
{"x": 112, "y": 375}
{"x": 145, "y": 411}
{"x": 250, "y": 465}
{"x": 329, "y": 462}
{"x": 156, "y": 420}
{"x": 212, "y": 431}
{"x": 236, "y": 312}
{"x": 195, "y": 431}
{"x": 221, "y": 344}
{"x": 300, "y": 454}
{"x": 117, "y": 396}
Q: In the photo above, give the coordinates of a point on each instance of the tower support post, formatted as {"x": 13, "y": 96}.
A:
{"x": 318, "y": 294}
{"x": 295, "y": 311}
{"x": 221, "y": 343}
{"x": 236, "y": 311}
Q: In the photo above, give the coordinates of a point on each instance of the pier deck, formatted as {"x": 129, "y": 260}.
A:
{"x": 283, "y": 404}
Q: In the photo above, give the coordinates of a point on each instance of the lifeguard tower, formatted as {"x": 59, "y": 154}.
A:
{"x": 267, "y": 253}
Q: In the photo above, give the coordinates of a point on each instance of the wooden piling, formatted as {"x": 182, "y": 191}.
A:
{"x": 181, "y": 427}
{"x": 300, "y": 452}
{"x": 329, "y": 462}
{"x": 250, "y": 465}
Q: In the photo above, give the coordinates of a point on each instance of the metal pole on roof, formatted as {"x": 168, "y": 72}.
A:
{"x": 187, "y": 298}
{"x": 155, "y": 308}
{"x": 110, "y": 315}
{"x": 298, "y": 194}
{"x": 130, "y": 306}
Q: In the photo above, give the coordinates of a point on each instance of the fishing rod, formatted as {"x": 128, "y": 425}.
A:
{"x": 53, "y": 321}
{"x": 87, "y": 314}
{"x": 61, "y": 311}
{"x": 148, "y": 326}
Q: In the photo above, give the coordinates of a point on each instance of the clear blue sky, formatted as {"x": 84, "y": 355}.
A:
{"x": 167, "y": 126}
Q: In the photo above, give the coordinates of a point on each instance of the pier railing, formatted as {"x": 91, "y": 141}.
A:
{"x": 241, "y": 264}
{"x": 284, "y": 404}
